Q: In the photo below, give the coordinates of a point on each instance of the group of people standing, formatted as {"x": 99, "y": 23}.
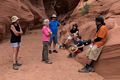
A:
{"x": 50, "y": 36}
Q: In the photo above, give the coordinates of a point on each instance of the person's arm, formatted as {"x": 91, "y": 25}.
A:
{"x": 21, "y": 31}
{"x": 58, "y": 23}
{"x": 98, "y": 39}
{"x": 81, "y": 46}
{"x": 100, "y": 35}
{"x": 14, "y": 30}
{"x": 46, "y": 32}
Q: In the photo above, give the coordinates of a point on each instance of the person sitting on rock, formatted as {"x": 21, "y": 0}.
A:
{"x": 73, "y": 33}
{"x": 97, "y": 45}
{"x": 74, "y": 30}
{"x": 78, "y": 42}
{"x": 15, "y": 40}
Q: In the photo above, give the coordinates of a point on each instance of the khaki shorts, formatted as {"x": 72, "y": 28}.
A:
{"x": 94, "y": 52}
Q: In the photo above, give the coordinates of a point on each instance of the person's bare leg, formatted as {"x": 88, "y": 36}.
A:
{"x": 15, "y": 58}
{"x": 15, "y": 54}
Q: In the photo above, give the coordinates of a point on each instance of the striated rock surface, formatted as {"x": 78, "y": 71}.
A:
{"x": 108, "y": 65}
{"x": 33, "y": 12}
{"x": 28, "y": 10}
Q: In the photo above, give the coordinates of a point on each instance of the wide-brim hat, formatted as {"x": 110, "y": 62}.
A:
{"x": 73, "y": 48}
{"x": 14, "y": 18}
{"x": 54, "y": 16}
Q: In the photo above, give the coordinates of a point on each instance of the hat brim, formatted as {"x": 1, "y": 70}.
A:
{"x": 54, "y": 17}
{"x": 16, "y": 20}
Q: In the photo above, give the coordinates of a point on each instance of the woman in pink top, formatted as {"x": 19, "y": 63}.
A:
{"x": 46, "y": 32}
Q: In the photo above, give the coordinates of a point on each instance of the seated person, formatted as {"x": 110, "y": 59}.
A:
{"x": 78, "y": 43}
{"x": 74, "y": 29}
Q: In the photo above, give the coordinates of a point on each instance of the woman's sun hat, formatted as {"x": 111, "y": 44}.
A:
{"x": 73, "y": 48}
{"x": 14, "y": 18}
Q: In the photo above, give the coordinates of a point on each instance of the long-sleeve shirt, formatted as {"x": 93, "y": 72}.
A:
{"x": 46, "y": 33}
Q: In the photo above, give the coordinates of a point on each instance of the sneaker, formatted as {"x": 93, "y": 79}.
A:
{"x": 50, "y": 52}
{"x": 55, "y": 51}
{"x": 48, "y": 62}
{"x": 15, "y": 67}
{"x": 84, "y": 70}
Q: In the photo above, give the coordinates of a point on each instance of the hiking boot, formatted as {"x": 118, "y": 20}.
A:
{"x": 43, "y": 60}
{"x": 15, "y": 67}
{"x": 91, "y": 69}
{"x": 18, "y": 64}
{"x": 50, "y": 52}
{"x": 55, "y": 51}
{"x": 84, "y": 70}
{"x": 74, "y": 55}
{"x": 48, "y": 62}
{"x": 70, "y": 55}
{"x": 60, "y": 46}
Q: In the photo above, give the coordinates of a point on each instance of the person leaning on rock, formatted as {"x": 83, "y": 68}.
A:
{"x": 15, "y": 40}
{"x": 97, "y": 45}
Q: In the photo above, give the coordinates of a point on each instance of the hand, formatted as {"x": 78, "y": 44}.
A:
{"x": 50, "y": 33}
{"x": 76, "y": 32}
{"x": 92, "y": 40}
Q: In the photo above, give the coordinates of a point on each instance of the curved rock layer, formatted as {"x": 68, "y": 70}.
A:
{"x": 62, "y": 8}
{"x": 108, "y": 65}
{"x": 31, "y": 12}
{"x": 28, "y": 10}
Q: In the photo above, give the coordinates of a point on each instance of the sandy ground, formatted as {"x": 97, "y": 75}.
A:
{"x": 33, "y": 69}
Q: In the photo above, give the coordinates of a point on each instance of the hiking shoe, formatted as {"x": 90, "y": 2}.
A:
{"x": 48, "y": 62}
{"x": 50, "y": 52}
{"x": 70, "y": 55}
{"x": 18, "y": 64}
{"x": 84, "y": 70}
{"x": 42, "y": 60}
{"x": 60, "y": 46}
{"x": 15, "y": 67}
{"x": 55, "y": 51}
{"x": 91, "y": 69}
